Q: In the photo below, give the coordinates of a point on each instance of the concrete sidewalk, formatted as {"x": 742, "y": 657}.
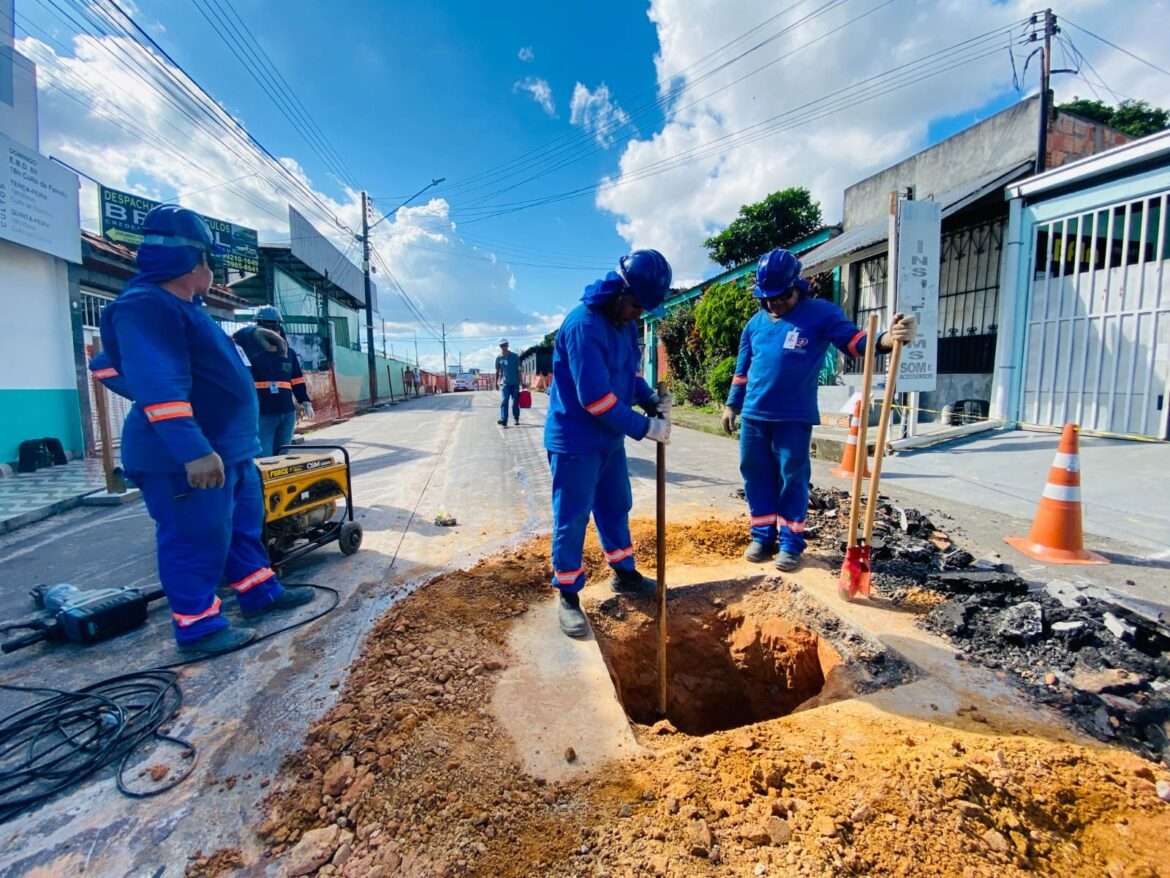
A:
{"x": 29, "y": 497}
{"x": 1125, "y": 484}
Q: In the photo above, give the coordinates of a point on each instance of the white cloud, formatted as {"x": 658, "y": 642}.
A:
{"x": 539, "y": 90}
{"x": 526, "y": 54}
{"x": 677, "y": 210}
{"x": 597, "y": 113}
{"x": 86, "y": 99}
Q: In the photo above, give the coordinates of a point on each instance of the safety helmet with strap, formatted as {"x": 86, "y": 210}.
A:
{"x": 777, "y": 272}
{"x": 647, "y": 276}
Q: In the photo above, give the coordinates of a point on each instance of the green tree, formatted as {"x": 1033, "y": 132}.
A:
{"x": 1135, "y": 118}
{"x": 781, "y": 219}
{"x": 720, "y": 317}
{"x": 684, "y": 352}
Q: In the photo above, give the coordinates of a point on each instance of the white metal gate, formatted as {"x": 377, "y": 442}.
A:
{"x": 1098, "y": 342}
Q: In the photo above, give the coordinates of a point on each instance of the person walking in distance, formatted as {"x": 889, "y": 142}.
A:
{"x": 280, "y": 384}
{"x": 508, "y": 382}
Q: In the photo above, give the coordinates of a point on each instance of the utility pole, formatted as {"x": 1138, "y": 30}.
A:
{"x": 370, "y": 361}
{"x": 384, "y": 338}
{"x": 416, "y": 350}
{"x": 444, "y": 327}
{"x": 1049, "y": 22}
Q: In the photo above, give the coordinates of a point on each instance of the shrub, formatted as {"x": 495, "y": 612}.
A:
{"x": 720, "y": 317}
{"x": 719, "y": 379}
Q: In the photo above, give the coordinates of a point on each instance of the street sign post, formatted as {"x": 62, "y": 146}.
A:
{"x": 919, "y": 229}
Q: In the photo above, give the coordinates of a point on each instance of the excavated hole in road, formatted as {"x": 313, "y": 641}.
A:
{"x": 733, "y": 657}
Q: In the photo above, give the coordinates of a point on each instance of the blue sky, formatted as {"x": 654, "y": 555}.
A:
{"x": 410, "y": 91}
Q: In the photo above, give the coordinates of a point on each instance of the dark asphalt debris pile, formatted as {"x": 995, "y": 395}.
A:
{"x": 1071, "y": 646}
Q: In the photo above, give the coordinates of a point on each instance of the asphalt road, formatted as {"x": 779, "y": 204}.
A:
{"x": 245, "y": 712}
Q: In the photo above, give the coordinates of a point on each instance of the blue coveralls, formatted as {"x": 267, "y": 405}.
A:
{"x": 595, "y": 382}
{"x": 508, "y": 368}
{"x": 193, "y": 394}
{"x": 775, "y": 392}
{"x": 280, "y": 385}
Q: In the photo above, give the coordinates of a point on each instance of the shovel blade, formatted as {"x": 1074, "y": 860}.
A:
{"x": 855, "y": 573}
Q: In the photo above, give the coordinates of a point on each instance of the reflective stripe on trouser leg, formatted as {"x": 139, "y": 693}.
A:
{"x": 574, "y": 485}
{"x": 246, "y": 568}
{"x": 192, "y": 533}
{"x": 791, "y": 443}
{"x": 761, "y": 477}
{"x": 611, "y": 509}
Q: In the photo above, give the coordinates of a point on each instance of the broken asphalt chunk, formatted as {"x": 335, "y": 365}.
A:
{"x": 971, "y": 581}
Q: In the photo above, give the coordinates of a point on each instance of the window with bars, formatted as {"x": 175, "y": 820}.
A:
{"x": 968, "y": 297}
{"x": 91, "y": 308}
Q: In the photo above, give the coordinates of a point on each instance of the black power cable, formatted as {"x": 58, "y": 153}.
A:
{"x": 59, "y": 741}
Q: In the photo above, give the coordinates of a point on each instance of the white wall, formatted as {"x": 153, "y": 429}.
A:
{"x": 36, "y": 342}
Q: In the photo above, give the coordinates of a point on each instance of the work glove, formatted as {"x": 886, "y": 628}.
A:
{"x": 728, "y": 420}
{"x": 271, "y": 341}
{"x": 659, "y": 430}
{"x": 205, "y": 471}
{"x": 307, "y": 411}
{"x": 659, "y": 404}
{"x": 903, "y": 329}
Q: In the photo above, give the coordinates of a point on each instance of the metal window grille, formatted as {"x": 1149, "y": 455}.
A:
{"x": 1099, "y": 320}
{"x": 91, "y": 308}
{"x": 871, "y": 288}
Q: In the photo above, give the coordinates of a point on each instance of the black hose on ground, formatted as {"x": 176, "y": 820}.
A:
{"x": 59, "y": 741}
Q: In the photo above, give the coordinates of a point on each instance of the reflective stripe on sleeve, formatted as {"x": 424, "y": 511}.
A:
{"x": 185, "y": 621}
{"x": 739, "y": 379}
{"x": 103, "y": 374}
{"x": 296, "y": 381}
{"x": 852, "y": 346}
{"x": 164, "y": 411}
{"x": 603, "y": 405}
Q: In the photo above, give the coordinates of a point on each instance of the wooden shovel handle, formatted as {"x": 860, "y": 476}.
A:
{"x": 879, "y": 450}
{"x": 859, "y": 462}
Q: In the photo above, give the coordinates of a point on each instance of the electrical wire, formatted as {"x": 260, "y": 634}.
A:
{"x": 59, "y": 741}
{"x": 1121, "y": 49}
{"x": 887, "y": 82}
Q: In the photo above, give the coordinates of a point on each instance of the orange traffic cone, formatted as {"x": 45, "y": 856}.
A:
{"x": 849, "y": 455}
{"x": 1056, "y": 536}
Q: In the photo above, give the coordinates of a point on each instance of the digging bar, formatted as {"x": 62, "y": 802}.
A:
{"x": 660, "y": 564}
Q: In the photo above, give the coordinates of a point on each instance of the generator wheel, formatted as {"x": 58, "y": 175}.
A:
{"x": 350, "y": 538}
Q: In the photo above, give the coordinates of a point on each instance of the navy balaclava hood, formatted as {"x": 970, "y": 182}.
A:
{"x": 174, "y": 241}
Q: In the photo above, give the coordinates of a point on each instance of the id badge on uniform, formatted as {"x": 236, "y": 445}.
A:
{"x": 792, "y": 340}
{"x": 243, "y": 357}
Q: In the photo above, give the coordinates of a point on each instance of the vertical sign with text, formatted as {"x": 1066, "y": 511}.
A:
{"x": 919, "y": 232}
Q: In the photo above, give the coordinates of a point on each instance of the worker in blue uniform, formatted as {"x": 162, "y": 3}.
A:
{"x": 508, "y": 381}
{"x": 280, "y": 383}
{"x": 774, "y": 394}
{"x": 595, "y": 384}
{"x": 190, "y": 437}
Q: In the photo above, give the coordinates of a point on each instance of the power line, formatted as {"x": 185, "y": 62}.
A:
{"x": 870, "y": 88}
{"x": 1121, "y": 49}
{"x": 568, "y": 142}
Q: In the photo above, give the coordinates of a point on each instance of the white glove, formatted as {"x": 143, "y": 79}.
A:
{"x": 903, "y": 329}
{"x": 659, "y": 430}
{"x": 307, "y": 411}
{"x": 664, "y": 402}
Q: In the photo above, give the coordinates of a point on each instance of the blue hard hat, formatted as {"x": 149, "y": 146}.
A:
{"x": 777, "y": 272}
{"x": 647, "y": 275}
{"x": 268, "y": 314}
{"x": 174, "y": 240}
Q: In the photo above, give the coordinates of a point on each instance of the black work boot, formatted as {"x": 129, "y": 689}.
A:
{"x": 787, "y": 561}
{"x": 758, "y": 552}
{"x": 632, "y": 583}
{"x": 503, "y": 422}
{"x": 223, "y": 640}
{"x": 570, "y": 614}
{"x": 294, "y": 596}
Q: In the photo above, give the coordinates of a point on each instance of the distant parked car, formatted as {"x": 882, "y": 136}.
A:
{"x": 464, "y": 381}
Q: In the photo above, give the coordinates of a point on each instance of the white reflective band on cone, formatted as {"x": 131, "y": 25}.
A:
{"x": 1068, "y": 493}
{"x": 852, "y": 440}
{"x": 1070, "y": 462}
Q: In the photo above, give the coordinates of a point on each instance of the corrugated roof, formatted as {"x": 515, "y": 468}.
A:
{"x": 953, "y": 200}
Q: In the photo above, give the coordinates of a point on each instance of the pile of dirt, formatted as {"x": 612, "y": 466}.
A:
{"x": 410, "y": 775}
{"x": 1104, "y": 667}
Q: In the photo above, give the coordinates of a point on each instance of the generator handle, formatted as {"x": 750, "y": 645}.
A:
{"x": 344, "y": 454}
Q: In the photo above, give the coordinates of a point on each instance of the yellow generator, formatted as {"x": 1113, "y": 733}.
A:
{"x": 303, "y": 492}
